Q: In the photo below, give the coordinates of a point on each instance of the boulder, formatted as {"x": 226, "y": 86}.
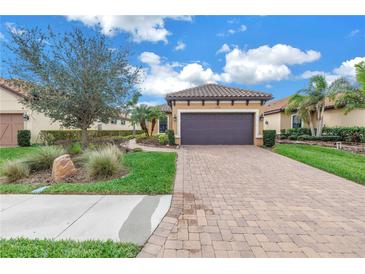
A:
{"x": 62, "y": 168}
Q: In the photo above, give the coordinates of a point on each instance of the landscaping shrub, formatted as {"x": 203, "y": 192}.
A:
{"x": 137, "y": 149}
{"x": 324, "y": 138}
{"x": 14, "y": 170}
{"x": 349, "y": 134}
{"x": 282, "y": 136}
{"x": 293, "y": 137}
{"x": 74, "y": 148}
{"x": 104, "y": 163}
{"x": 282, "y": 131}
{"x": 298, "y": 131}
{"x": 269, "y": 138}
{"x": 53, "y": 136}
{"x": 163, "y": 139}
{"x": 23, "y": 137}
{"x": 171, "y": 137}
{"x": 43, "y": 158}
{"x": 304, "y": 137}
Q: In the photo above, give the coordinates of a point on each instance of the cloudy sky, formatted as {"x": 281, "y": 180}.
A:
{"x": 266, "y": 53}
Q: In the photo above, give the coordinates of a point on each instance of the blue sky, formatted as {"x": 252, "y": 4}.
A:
{"x": 276, "y": 54}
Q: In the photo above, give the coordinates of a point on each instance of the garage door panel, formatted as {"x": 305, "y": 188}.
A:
{"x": 216, "y": 128}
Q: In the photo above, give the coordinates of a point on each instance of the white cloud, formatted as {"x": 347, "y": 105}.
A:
{"x": 268, "y": 86}
{"x": 346, "y": 70}
{"x": 264, "y": 64}
{"x": 180, "y": 46}
{"x": 241, "y": 28}
{"x": 141, "y": 28}
{"x": 162, "y": 77}
{"x": 2, "y": 37}
{"x": 223, "y": 49}
{"x": 354, "y": 33}
{"x": 150, "y": 103}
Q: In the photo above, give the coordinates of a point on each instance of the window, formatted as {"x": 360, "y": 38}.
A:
{"x": 296, "y": 122}
{"x": 113, "y": 121}
{"x": 122, "y": 122}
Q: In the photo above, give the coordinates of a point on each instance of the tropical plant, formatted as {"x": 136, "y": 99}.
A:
{"x": 351, "y": 97}
{"x": 73, "y": 78}
{"x": 139, "y": 115}
{"x": 309, "y": 103}
{"x": 154, "y": 114}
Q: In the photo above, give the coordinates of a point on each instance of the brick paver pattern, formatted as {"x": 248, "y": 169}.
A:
{"x": 244, "y": 201}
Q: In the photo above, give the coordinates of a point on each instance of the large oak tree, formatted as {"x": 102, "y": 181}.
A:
{"x": 76, "y": 78}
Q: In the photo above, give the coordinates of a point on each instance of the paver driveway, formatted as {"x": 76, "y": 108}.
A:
{"x": 244, "y": 201}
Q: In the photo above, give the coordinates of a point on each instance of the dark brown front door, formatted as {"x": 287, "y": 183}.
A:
{"x": 217, "y": 128}
{"x": 10, "y": 123}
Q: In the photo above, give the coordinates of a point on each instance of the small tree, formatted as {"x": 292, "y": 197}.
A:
{"x": 139, "y": 115}
{"x": 155, "y": 114}
{"x": 73, "y": 78}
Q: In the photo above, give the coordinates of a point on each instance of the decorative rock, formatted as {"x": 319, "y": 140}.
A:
{"x": 62, "y": 168}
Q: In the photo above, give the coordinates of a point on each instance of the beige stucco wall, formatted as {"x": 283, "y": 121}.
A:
{"x": 9, "y": 103}
{"x": 273, "y": 122}
{"x": 212, "y": 105}
{"x": 336, "y": 117}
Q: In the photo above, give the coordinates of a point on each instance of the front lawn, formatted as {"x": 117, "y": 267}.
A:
{"x": 149, "y": 173}
{"x": 10, "y": 153}
{"x": 342, "y": 163}
{"x": 26, "y": 248}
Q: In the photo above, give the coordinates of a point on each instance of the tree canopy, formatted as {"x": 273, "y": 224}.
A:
{"x": 76, "y": 78}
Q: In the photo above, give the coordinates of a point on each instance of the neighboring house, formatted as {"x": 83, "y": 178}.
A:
{"x": 15, "y": 116}
{"x": 216, "y": 115}
{"x": 276, "y": 118}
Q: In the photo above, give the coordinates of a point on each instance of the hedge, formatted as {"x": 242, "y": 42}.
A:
{"x": 53, "y": 136}
{"x": 349, "y": 134}
{"x": 23, "y": 138}
{"x": 171, "y": 137}
{"x": 325, "y": 138}
{"x": 269, "y": 138}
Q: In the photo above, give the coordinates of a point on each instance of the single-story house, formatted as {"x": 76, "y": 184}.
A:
{"x": 15, "y": 116}
{"x": 213, "y": 114}
{"x": 276, "y": 118}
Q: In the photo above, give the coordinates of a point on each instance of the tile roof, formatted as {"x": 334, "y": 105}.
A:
{"x": 280, "y": 105}
{"x": 14, "y": 86}
{"x": 165, "y": 108}
{"x": 214, "y": 91}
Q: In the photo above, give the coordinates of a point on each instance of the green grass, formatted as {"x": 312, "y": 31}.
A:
{"x": 149, "y": 173}
{"x": 10, "y": 153}
{"x": 26, "y": 248}
{"x": 344, "y": 164}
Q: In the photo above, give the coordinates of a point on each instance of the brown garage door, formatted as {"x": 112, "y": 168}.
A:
{"x": 217, "y": 128}
{"x": 10, "y": 123}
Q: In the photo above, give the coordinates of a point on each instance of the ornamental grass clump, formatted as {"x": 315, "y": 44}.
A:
{"x": 104, "y": 163}
{"x": 43, "y": 158}
{"x": 14, "y": 170}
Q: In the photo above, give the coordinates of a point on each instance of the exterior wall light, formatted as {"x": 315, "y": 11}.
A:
{"x": 25, "y": 117}
{"x": 175, "y": 118}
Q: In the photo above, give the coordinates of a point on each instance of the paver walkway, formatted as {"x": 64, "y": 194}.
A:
{"x": 244, "y": 201}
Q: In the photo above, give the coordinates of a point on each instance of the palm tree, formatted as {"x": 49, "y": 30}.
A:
{"x": 155, "y": 113}
{"x": 353, "y": 97}
{"x": 309, "y": 103}
{"x": 139, "y": 115}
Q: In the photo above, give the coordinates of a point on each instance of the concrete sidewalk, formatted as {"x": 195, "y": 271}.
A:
{"x": 124, "y": 218}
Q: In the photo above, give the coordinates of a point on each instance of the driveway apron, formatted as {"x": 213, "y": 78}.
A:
{"x": 244, "y": 201}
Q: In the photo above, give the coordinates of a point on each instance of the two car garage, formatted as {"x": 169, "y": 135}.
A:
{"x": 217, "y": 128}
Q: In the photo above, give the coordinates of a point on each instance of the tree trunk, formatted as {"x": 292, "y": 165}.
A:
{"x": 311, "y": 124}
{"x": 84, "y": 138}
{"x": 153, "y": 124}
{"x": 144, "y": 127}
{"x": 320, "y": 122}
